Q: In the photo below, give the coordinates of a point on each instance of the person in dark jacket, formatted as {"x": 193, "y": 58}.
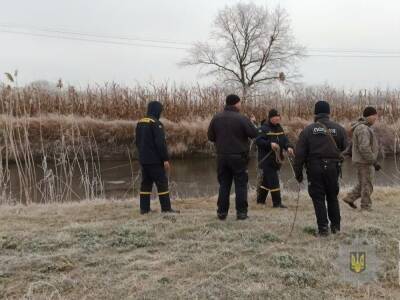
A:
{"x": 231, "y": 131}
{"x": 271, "y": 142}
{"x": 320, "y": 148}
{"x": 153, "y": 158}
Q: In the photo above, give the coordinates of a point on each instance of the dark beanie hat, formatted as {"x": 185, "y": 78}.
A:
{"x": 154, "y": 108}
{"x": 232, "y": 99}
{"x": 273, "y": 113}
{"x": 322, "y": 107}
{"x": 369, "y": 111}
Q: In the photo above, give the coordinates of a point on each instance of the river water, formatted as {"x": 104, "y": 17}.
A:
{"x": 189, "y": 178}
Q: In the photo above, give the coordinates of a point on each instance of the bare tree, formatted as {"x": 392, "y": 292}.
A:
{"x": 249, "y": 46}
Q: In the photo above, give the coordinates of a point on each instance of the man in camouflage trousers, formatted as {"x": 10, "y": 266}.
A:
{"x": 364, "y": 156}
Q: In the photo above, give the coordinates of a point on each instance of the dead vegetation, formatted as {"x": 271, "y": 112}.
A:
{"x": 76, "y": 129}
{"x": 107, "y": 115}
{"x": 113, "y": 102}
{"x": 114, "y": 139}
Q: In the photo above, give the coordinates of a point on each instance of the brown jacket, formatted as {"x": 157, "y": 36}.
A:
{"x": 365, "y": 144}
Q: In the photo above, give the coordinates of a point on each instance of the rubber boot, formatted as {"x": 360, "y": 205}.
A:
{"x": 261, "y": 196}
{"x": 277, "y": 200}
{"x": 144, "y": 204}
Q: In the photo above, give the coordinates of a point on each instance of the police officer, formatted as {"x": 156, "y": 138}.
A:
{"x": 319, "y": 148}
{"x": 230, "y": 131}
{"x": 153, "y": 157}
{"x": 271, "y": 142}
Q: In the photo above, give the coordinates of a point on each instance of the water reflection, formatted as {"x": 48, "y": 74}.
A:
{"x": 189, "y": 178}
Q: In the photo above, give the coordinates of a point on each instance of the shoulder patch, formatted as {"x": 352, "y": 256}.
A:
{"x": 320, "y": 130}
{"x": 146, "y": 120}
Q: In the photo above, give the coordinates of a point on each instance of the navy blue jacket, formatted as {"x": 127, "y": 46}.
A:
{"x": 150, "y": 137}
{"x": 315, "y": 144}
{"x": 267, "y": 134}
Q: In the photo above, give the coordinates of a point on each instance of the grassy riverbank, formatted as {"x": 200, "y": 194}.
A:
{"x": 106, "y": 250}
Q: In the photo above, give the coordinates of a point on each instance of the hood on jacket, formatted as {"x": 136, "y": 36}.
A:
{"x": 360, "y": 121}
{"x": 154, "y": 109}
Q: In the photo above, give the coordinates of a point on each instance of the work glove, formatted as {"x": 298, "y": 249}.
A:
{"x": 377, "y": 167}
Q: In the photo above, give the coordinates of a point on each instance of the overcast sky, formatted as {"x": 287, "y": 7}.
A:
{"x": 361, "y": 25}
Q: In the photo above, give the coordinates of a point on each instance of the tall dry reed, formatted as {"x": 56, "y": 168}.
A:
{"x": 112, "y": 102}
{"x": 53, "y": 136}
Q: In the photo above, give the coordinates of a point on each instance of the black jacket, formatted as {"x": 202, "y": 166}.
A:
{"x": 150, "y": 137}
{"x": 269, "y": 133}
{"x": 315, "y": 144}
{"x": 230, "y": 131}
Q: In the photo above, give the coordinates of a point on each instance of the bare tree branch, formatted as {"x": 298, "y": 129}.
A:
{"x": 249, "y": 45}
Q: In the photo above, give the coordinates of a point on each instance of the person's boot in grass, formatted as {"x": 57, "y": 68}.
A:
{"x": 171, "y": 211}
{"x": 280, "y": 206}
{"x": 165, "y": 203}
{"x": 145, "y": 212}
{"x": 335, "y": 229}
{"x": 277, "y": 200}
{"x": 145, "y": 203}
{"x": 242, "y": 216}
{"x": 350, "y": 203}
{"x": 323, "y": 232}
{"x": 261, "y": 196}
{"x": 222, "y": 217}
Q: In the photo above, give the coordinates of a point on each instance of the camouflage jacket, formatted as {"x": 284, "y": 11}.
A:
{"x": 365, "y": 144}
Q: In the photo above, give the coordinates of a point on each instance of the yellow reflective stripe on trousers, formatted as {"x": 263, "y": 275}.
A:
{"x": 271, "y": 190}
{"x": 163, "y": 193}
{"x": 145, "y": 193}
{"x": 275, "y": 133}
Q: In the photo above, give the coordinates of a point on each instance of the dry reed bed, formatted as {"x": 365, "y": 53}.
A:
{"x": 108, "y": 114}
{"x": 113, "y": 102}
{"x": 76, "y": 129}
{"x": 115, "y": 139}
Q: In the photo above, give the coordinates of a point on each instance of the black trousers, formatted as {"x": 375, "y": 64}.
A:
{"x": 323, "y": 188}
{"x": 270, "y": 183}
{"x": 232, "y": 168}
{"x": 154, "y": 174}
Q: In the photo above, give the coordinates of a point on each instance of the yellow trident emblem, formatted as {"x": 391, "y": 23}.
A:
{"x": 358, "y": 262}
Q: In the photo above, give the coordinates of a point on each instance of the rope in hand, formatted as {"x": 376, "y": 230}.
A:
{"x": 277, "y": 152}
{"x": 279, "y": 161}
{"x": 297, "y": 199}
